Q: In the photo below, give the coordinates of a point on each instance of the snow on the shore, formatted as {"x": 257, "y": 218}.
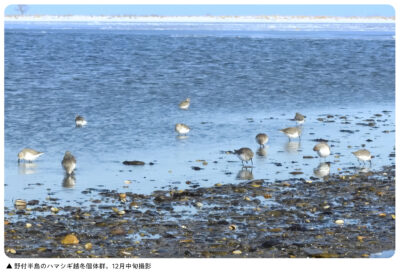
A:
{"x": 200, "y": 19}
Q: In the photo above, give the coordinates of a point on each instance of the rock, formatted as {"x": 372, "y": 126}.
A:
{"x": 118, "y": 231}
{"x": 122, "y": 197}
{"x": 33, "y": 202}
{"x": 196, "y": 168}
{"x": 20, "y": 204}
{"x": 133, "y": 163}
{"x": 339, "y": 222}
{"x": 347, "y": 130}
{"x": 70, "y": 239}
{"x": 232, "y": 227}
{"x": 198, "y": 204}
{"x": 296, "y": 172}
{"x": 11, "y": 250}
{"x": 320, "y": 140}
{"x": 88, "y": 246}
{"x": 269, "y": 243}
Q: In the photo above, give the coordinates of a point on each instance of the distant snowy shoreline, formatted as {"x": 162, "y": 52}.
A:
{"x": 200, "y": 19}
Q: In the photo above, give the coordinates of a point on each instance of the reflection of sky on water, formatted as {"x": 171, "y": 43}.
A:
{"x": 127, "y": 84}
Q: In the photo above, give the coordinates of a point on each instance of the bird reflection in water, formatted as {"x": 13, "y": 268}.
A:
{"x": 182, "y": 137}
{"x": 262, "y": 152}
{"x": 245, "y": 174}
{"x": 292, "y": 147}
{"x": 69, "y": 181}
{"x": 27, "y": 168}
{"x": 323, "y": 170}
{"x": 363, "y": 170}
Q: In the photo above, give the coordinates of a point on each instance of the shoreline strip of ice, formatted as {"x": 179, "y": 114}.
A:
{"x": 199, "y": 19}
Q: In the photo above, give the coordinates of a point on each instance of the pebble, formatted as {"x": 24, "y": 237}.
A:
{"x": 11, "y": 250}
{"x": 339, "y": 222}
{"x": 237, "y": 252}
{"x": 232, "y": 227}
{"x": 133, "y": 163}
{"x": 20, "y": 204}
{"x": 198, "y": 204}
{"x": 70, "y": 239}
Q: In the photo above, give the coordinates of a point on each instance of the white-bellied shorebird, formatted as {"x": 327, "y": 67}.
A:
{"x": 363, "y": 155}
{"x": 185, "y": 104}
{"x": 245, "y": 154}
{"x": 28, "y": 154}
{"x": 299, "y": 118}
{"x": 322, "y": 149}
{"x": 182, "y": 128}
{"x": 292, "y": 132}
{"x": 80, "y": 121}
{"x": 68, "y": 162}
{"x": 262, "y": 139}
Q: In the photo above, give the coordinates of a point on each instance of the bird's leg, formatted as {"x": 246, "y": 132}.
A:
{"x": 251, "y": 161}
{"x": 370, "y": 163}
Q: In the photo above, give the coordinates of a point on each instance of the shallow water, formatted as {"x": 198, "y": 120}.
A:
{"x": 127, "y": 83}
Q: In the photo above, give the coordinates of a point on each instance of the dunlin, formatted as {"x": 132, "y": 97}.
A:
{"x": 80, "y": 121}
{"x": 299, "y": 118}
{"x": 363, "y": 155}
{"x": 68, "y": 163}
{"x": 182, "y": 128}
{"x": 185, "y": 104}
{"x": 245, "y": 154}
{"x": 262, "y": 139}
{"x": 292, "y": 132}
{"x": 28, "y": 154}
{"x": 322, "y": 149}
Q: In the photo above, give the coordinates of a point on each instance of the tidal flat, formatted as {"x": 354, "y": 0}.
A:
{"x": 350, "y": 214}
{"x": 188, "y": 196}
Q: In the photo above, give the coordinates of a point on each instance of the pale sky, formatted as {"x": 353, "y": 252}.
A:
{"x": 307, "y": 10}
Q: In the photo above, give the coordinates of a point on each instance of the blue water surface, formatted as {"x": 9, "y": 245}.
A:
{"x": 127, "y": 81}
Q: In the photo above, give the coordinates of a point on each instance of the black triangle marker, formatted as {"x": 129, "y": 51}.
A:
{"x": 9, "y": 266}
